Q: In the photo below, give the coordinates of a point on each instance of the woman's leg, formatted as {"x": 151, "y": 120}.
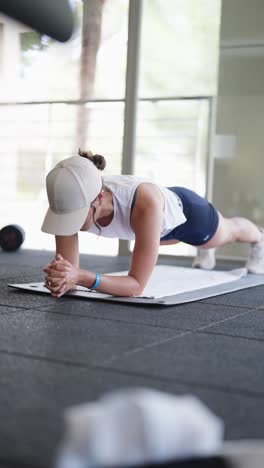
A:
{"x": 233, "y": 230}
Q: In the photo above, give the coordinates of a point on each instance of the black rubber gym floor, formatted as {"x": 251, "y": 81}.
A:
{"x": 55, "y": 353}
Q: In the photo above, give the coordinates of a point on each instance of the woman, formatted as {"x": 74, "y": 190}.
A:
{"x": 129, "y": 207}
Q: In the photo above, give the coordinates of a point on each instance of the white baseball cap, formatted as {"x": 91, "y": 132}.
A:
{"x": 72, "y": 186}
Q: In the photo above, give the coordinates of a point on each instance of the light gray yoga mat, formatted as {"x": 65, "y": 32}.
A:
{"x": 218, "y": 282}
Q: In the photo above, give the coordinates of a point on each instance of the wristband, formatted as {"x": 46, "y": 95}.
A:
{"x": 97, "y": 281}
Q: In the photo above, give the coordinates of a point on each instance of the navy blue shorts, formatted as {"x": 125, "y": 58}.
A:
{"x": 202, "y": 219}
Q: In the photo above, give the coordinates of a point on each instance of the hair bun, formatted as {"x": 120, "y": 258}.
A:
{"x": 98, "y": 160}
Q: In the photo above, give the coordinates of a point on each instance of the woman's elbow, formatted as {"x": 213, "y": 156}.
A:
{"x": 136, "y": 288}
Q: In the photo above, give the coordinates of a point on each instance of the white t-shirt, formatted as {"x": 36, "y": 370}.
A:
{"x": 123, "y": 188}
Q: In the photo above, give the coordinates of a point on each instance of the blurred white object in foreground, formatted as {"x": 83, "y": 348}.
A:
{"x": 137, "y": 426}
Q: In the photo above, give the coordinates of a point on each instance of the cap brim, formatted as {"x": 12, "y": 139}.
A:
{"x": 64, "y": 224}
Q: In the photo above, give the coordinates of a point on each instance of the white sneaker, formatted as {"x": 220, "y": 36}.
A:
{"x": 255, "y": 262}
{"x": 204, "y": 259}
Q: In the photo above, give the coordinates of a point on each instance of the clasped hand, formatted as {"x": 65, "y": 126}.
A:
{"x": 61, "y": 276}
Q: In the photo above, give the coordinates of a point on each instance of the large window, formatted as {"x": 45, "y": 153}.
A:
{"x": 55, "y": 98}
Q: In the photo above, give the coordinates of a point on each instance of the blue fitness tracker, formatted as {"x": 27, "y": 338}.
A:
{"x": 97, "y": 281}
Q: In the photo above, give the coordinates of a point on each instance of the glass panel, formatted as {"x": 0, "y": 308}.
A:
{"x": 179, "y": 53}
{"x": 91, "y": 65}
{"x": 37, "y": 68}
{"x": 172, "y": 133}
{"x": 33, "y": 139}
{"x": 172, "y": 142}
{"x": 172, "y": 148}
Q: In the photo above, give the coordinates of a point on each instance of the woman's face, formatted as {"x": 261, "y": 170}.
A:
{"x": 90, "y": 219}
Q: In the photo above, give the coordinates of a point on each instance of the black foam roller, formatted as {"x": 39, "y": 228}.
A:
{"x": 11, "y": 237}
{"x": 51, "y": 17}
